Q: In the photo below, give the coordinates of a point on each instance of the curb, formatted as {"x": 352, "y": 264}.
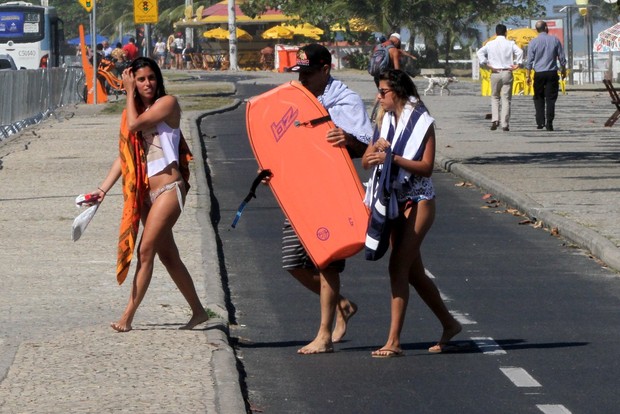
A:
{"x": 588, "y": 239}
{"x": 228, "y": 395}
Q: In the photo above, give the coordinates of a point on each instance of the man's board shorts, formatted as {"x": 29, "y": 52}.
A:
{"x": 294, "y": 255}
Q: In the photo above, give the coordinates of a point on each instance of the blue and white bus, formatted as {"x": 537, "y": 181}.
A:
{"x": 31, "y": 34}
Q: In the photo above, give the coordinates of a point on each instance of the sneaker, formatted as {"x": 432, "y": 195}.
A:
{"x": 505, "y": 129}
{"x": 494, "y": 125}
{"x": 540, "y": 126}
{"x": 549, "y": 127}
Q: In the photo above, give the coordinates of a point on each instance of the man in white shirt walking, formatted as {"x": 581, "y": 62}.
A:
{"x": 501, "y": 56}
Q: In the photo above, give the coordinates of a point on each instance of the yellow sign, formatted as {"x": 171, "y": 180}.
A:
{"x": 145, "y": 11}
{"x": 87, "y": 4}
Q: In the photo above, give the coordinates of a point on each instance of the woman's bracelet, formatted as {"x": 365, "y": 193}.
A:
{"x": 104, "y": 192}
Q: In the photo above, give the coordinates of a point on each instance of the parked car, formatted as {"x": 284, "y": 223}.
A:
{"x": 7, "y": 63}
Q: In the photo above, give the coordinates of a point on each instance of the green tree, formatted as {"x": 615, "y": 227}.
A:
{"x": 452, "y": 19}
{"x": 72, "y": 14}
{"x": 112, "y": 13}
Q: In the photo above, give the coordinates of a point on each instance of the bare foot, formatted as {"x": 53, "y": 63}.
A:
{"x": 120, "y": 327}
{"x": 387, "y": 353}
{"x": 316, "y": 347}
{"x": 342, "y": 317}
{"x": 196, "y": 320}
{"x": 448, "y": 334}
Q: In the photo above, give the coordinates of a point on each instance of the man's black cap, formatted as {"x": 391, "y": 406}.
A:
{"x": 311, "y": 57}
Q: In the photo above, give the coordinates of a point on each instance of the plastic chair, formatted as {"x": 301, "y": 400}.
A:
{"x": 518, "y": 82}
{"x": 485, "y": 82}
{"x": 563, "y": 82}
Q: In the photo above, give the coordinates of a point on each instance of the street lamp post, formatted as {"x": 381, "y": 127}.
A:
{"x": 585, "y": 12}
{"x": 584, "y": 9}
{"x": 569, "y": 39}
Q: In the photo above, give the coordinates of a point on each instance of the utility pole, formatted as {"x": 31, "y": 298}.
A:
{"x": 93, "y": 42}
{"x": 189, "y": 31}
{"x": 232, "y": 37}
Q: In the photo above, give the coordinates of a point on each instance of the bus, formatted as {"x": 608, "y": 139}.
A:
{"x": 31, "y": 34}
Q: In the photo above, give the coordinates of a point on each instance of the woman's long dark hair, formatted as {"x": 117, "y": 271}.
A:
{"x": 400, "y": 83}
{"x": 145, "y": 62}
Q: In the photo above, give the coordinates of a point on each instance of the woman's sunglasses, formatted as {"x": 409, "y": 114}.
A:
{"x": 382, "y": 91}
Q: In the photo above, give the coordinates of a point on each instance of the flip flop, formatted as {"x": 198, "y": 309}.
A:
{"x": 390, "y": 353}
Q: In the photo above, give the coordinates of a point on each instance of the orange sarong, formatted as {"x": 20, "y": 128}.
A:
{"x": 135, "y": 190}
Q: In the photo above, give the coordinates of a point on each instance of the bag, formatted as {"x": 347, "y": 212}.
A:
{"x": 379, "y": 60}
{"x": 383, "y": 208}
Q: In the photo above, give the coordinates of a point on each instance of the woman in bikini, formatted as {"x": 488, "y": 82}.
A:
{"x": 400, "y": 101}
{"x": 153, "y": 119}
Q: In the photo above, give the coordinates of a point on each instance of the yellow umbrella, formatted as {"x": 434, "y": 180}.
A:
{"x": 306, "y": 30}
{"x": 522, "y": 36}
{"x": 243, "y": 35}
{"x": 223, "y": 34}
{"x": 217, "y": 33}
{"x": 278, "y": 32}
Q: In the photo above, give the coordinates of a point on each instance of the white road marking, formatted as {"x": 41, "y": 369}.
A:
{"x": 520, "y": 377}
{"x": 488, "y": 346}
{"x": 553, "y": 409}
{"x": 463, "y": 318}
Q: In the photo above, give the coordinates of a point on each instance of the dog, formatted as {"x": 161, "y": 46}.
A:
{"x": 442, "y": 81}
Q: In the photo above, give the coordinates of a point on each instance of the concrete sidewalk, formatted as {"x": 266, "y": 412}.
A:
{"x": 57, "y": 353}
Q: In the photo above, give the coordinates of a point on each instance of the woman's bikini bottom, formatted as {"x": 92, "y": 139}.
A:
{"x": 176, "y": 184}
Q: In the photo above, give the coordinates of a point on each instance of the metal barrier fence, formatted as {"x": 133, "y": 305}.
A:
{"x": 29, "y": 96}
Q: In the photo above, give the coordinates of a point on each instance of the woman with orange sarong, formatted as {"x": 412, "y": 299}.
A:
{"x": 153, "y": 161}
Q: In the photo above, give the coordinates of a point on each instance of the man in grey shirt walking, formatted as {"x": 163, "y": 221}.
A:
{"x": 543, "y": 55}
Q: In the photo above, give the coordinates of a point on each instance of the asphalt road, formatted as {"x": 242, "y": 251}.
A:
{"x": 539, "y": 316}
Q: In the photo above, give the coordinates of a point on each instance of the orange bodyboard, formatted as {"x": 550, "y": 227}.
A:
{"x": 314, "y": 182}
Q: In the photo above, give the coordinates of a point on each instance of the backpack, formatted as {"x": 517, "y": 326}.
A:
{"x": 379, "y": 60}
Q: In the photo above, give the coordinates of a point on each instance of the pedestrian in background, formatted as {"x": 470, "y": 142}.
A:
{"x": 107, "y": 49}
{"x": 393, "y": 45}
{"x": 501, "y": 56}
{"x": 171, "y": 61}
{"x": 543, "y": 54}
{"x": 160, "y": 52}
{"x": 153, "y": 162}
{"x": 131, "y": 50}
{"x": 267, "y": 55}
{"x": 119, "y": 58}
{"x": 408, "y": 129}
{"x": 187, "y": 55}
{"x": 179, "y": 45}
